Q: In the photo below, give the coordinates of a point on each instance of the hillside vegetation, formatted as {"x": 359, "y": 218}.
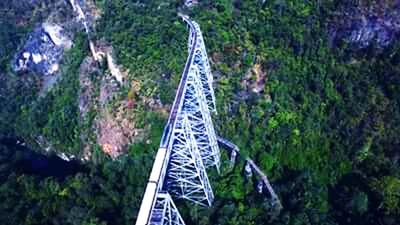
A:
{"x": 322, "y": 120}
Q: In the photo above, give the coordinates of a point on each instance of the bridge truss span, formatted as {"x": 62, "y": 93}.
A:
{"x": 188, "y": 145}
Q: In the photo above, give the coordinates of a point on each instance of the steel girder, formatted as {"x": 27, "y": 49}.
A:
{"x": 194, "y": 105}
{"x": 189, "y": 144}
{"x": 165, "y": 211}
{"x": 190, "y": 39}
{"x": 193, "y": 145}
{"x": 205, "y": 75}
{"x": 186, "y": 176}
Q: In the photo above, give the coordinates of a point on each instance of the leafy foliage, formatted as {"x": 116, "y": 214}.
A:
{"x": 56, "y": 114}
{"x": 324, "y": 127}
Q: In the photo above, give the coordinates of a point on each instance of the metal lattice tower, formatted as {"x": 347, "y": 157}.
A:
{"x": 205, "y": 75}
{"x": 187, "y": 177}
{"x": 165, "y": 211}
{"x": 194, "y": 105}
{"x": 188, "y": 145}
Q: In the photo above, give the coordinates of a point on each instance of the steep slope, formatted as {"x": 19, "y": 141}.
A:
{"x": 319, "y": 115}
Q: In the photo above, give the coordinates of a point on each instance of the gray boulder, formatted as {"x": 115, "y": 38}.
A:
{"x": 43, "y": 50}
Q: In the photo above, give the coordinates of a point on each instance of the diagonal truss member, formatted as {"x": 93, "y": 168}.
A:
{"x": 165, "y": 211}
{"x": 188, "y": 145}
{"x": 195, "y": 106}
{"x": 187, "y": 177}
{"x": 204, "y": 69}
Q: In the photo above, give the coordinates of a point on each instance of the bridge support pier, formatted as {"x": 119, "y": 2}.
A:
{"x": 186, "y": 176}
{"x": 188, "y": 145}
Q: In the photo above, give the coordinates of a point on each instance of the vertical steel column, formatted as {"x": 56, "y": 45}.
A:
{"x": 206, "y": 77}
{"x": 186, "y": 176}
{"x": 199, "y": 116}
{"x": 165, "y": 211}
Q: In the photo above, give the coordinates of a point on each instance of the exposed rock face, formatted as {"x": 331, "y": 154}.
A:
{"x": 115, "y": 133}
{"x": 365, "y": 24}
{"x": 115, "y": 70}
{"x": 86, "y": 94}
{"x": 45, "y": 46}
{"x": 86, "y": 14}
{"x": 107, "y": 116}
{"x": 108, "y": 87}
{"x": 88, "y": 73}
{"x": 114, "y": 124}
{"x": 43, "y": 50}
{"x": 255, "y": 79}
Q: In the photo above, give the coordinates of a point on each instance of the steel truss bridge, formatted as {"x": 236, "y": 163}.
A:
{"x": 189, "y": 144}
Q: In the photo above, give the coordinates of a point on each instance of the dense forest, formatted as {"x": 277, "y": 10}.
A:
{"x": 320, "y": 115}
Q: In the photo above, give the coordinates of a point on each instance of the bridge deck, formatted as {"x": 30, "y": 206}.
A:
{"x": 155, "y": 183}
{"x": 156, "y": 179}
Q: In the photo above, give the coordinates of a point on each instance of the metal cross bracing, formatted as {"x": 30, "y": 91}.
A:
{"x": 165, "y": 211}
{"x": 201, "y": 60}
{"x": 199, "y": 117}
{"x": 186, "y": 177}
{"x": 188, "y": 145}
